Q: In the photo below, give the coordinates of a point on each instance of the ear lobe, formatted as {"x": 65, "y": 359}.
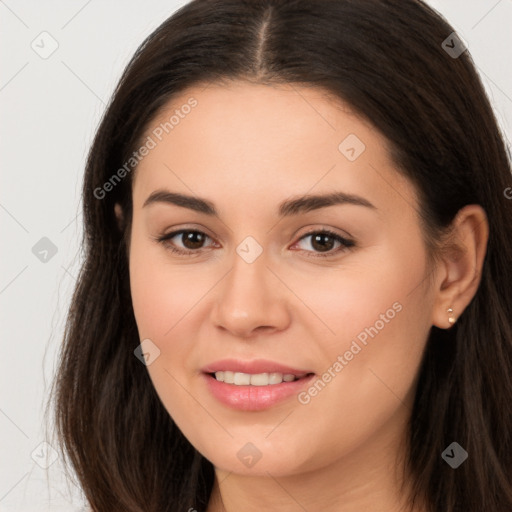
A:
{"x": 462, "y": 263}
{"x": 119, "y": 216}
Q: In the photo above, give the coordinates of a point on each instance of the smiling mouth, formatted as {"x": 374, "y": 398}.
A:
{"x": 256, "y": 379}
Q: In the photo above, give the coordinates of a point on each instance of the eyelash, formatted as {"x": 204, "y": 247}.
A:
{"x": 345, "y": 243}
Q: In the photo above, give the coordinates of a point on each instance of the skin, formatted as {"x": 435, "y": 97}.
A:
{"x": 246, "y": 148}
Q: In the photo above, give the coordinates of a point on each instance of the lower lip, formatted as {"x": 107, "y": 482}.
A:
{"x": 254, "y": 398}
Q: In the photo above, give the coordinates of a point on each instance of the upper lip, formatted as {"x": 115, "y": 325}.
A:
{"x": 253, "y": 367}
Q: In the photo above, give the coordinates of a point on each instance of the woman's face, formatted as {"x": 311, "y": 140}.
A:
{"x": 262, "y": 292}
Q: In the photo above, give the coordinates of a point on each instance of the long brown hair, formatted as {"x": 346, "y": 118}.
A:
{"x": 387, "y": 60}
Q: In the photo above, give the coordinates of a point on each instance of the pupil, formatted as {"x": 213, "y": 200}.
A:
{"x": 189, "y": 241}
{"x": 320, "y": 238}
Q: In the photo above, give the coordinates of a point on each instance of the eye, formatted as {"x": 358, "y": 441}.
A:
{"x": 324, "y": 240}
{"x": 193, "y": 240}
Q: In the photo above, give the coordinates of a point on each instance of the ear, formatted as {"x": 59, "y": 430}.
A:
{"x": 119, "y": 215}
{"x": 460, "y": 267}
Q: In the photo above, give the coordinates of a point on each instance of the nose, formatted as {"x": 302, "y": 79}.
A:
{"x": 251, "y": 300}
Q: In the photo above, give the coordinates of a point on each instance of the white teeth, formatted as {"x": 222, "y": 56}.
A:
{"x": 258, "y": 379}
{"x": 275, "y": 378}
{"x": 242, "y": 379}
{"x": 229, "y": 377}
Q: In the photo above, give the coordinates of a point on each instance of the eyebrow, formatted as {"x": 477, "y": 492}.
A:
{"x": 293, "y": 206}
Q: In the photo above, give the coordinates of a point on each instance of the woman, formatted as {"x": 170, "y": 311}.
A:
{"x": 296, "y": 292}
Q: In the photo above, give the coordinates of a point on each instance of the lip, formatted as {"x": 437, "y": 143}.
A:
{"x": 254, "y": 398}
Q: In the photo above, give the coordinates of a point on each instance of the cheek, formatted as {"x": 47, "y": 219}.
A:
{"x": 161, "y": 297}
{"x": 373, "y": 295}
{"x": 371, "y": 363}
{"x": 380, "y": 315}
{"x": 161, "y": 292}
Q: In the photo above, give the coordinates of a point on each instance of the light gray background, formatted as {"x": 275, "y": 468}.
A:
{"x": 49, "y": 109}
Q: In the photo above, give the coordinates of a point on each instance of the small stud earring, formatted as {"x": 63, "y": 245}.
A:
{"x": 451, "y": 318}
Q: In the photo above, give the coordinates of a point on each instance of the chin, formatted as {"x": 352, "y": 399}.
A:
{"x": 256, "y": 456}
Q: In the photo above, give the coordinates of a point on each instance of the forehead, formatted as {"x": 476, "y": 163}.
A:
{"x": 240, "y": 141}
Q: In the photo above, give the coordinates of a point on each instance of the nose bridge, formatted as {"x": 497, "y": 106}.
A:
{"x": 248, "y": 277}
{"x": 250, "y": 296}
